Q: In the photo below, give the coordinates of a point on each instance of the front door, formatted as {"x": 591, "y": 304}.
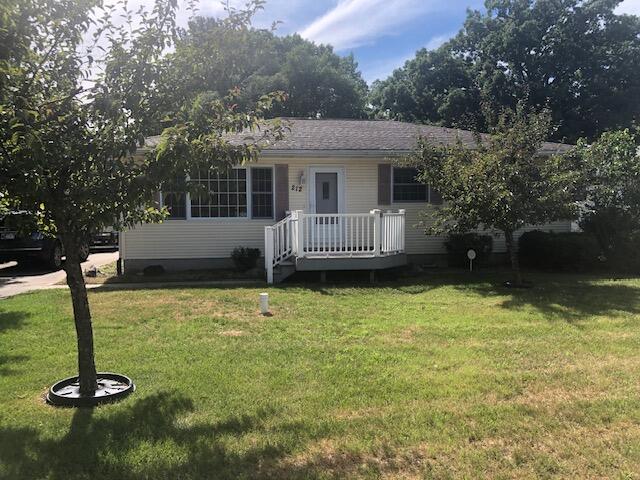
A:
{"x": 326, "y": 198}
{"x": 326, "y": 192}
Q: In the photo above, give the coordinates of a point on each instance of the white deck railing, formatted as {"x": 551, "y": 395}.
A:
{"x": 339, "y": 235}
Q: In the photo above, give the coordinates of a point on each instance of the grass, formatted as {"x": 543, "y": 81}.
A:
{"x": 433, "y": 378}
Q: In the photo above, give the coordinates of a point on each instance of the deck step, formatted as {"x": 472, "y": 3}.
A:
{"x": 283, "y": 271}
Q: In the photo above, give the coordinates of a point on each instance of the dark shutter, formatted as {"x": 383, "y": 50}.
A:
{"x": 281, "y": 190}
{"x": 384, "y": 184}
{"x": 435, "y": 197}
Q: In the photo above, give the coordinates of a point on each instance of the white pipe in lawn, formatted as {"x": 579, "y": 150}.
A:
{"x": 264, "y": 303}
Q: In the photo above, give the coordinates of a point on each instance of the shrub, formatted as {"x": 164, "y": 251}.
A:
{"x": 245, "y": 258}
{"x": 458, "y": 244}
{"x": 559, "y": 251}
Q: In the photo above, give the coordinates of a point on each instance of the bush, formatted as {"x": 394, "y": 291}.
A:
{"x": 625, "y": 256}
{"x": 559, "y": 251}
{"x": 245, "y": 258}
{"x": 458, "y": 245}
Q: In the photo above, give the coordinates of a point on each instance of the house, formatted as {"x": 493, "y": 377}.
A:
{"x": 326, "y": 197}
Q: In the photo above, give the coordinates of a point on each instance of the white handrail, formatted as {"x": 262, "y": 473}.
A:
{"x": 278, "y": 244}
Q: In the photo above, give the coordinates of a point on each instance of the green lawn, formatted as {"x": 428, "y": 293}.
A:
{"x": 435, "y": 378}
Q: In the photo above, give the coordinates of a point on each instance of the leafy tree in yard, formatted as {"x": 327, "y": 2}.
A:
{"x": 501, "y": 182}
{"x": 72, "y": 114}
{"x": 611, "y": 182}
{"x": 576, "y": 57}
{"x": 316, "y": 80}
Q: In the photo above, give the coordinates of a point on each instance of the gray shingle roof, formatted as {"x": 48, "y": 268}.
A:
{"x": 384, "y": 136}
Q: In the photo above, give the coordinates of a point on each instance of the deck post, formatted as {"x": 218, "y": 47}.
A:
{"x": 403, "y": 217}
{"x": 300, "y": 233}
{"x": 377, "y": 231}
{"x": 268, "y": 253}
{"x": 293, "y": 232}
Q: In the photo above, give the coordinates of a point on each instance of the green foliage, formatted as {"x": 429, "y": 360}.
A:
{"x": 72, "y": 115}
{"x": 210, "y": 56}
{"x": 501, "y": 182}
{"x": 458, "y": 244}
{"x": 560, "y": 251}
{"x": 245, "y": 258}
{"x": 611, "y": 187}
{"x": 577, "y": 57}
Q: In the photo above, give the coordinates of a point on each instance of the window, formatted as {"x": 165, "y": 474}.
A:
{"x": 222, "y": 194}
{"x": 261, "y": 192}
{"x": 406, "y": 188}
{"x": 176, "y": 204}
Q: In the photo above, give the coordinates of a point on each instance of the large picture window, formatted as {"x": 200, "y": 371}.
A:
{"x": 176, "y": 204}
{"x": 261, "y": 192}
{"x": 221, "y": 194}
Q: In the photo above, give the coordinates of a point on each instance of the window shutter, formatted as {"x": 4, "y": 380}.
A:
{"x": 281, "y": 190}
{"x": 384, "y": 184}
{"x": 435, "y": 197}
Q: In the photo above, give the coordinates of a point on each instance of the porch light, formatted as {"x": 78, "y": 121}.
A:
{"x": 302, "y": 178}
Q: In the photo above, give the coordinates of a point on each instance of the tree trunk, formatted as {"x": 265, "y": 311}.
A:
{"x": 82, "y": 318}
{"x": 513, "y": 256}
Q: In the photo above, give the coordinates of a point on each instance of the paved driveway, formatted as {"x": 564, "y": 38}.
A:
{"x": 15, "y": 279}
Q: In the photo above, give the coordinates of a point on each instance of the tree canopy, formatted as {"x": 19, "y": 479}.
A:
{"x": 576, "y": 57}
{"x": 72, "y": 114}
{"x": 316, "y": 80}
{"x": 501, "y": 183}
{"x": 610, "y": 172}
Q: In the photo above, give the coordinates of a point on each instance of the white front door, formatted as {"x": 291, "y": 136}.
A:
{"x": 326, "y": 197}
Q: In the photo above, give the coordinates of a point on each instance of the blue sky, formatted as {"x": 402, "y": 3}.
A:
{"x": 382, "y": 34}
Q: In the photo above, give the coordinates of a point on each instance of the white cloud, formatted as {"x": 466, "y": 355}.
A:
{"x": 352, "y": 23}
{"x": 629, "y": 6}
{"x": 435, "y": 42}
{"x": 381, "y": 69}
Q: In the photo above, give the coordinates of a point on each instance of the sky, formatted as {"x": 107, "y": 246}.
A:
{"x": 381, "y": 34}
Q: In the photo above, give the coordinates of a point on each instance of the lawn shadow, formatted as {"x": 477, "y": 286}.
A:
{"x": 571, "y": 297}
{"x": 11, "y": 319}
{"x": 153, "y": 438}
{"x": 7, "y": 362}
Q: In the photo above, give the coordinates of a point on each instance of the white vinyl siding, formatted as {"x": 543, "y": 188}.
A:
{"x": 215, "y": 238}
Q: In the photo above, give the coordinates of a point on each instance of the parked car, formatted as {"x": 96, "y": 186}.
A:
{"x": 18, "y": 245}
{"x": 104, "y": 241}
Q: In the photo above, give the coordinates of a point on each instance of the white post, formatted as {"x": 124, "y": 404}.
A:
{"x": 268, "y": 253}
{"x": 377, "y": 231}
{"x": 293, "y": 232}
{"x": 300, "y": 230}
{"x": 402, "y": 222}
{"x": 264, "y": 303}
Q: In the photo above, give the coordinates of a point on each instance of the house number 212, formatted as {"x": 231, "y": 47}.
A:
{"x": 296, "y": 188}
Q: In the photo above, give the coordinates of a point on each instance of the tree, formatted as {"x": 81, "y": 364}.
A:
{"x": 73, "y": 112}
{"x": 500, "y": 182}
{"x": 610, "y": 169}
{"x": 316, "y": 80}
{"x": 576, "y": 57}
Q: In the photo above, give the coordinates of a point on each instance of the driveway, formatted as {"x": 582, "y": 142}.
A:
{"x": 15, "y": 279}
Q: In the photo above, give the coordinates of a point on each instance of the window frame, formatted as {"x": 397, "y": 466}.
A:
{"x": 400, "y": 202}
{"x": 248, "y": 192}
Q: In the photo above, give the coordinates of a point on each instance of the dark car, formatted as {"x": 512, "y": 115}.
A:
{"x": 104, "y": 241}
{"x": 18, "y": 245}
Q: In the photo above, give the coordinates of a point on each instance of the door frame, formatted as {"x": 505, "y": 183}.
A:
{"x": 340, "y": 171}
